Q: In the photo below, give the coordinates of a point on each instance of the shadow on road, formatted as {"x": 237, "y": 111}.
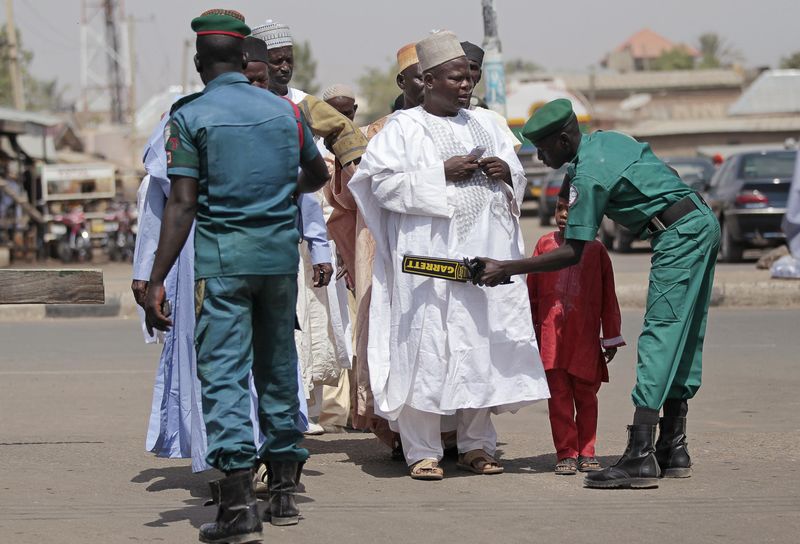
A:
{"x": 540, "y": 464}
{"x": 163, "y": 479}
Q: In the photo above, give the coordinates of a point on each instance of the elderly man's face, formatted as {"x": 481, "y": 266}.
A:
{"x": 256, "y": 72}
{"x": 449, "y": 86}
{"x": 344, "y": 105}
{"x": 280, "y": 64}
{"x": 475, "y": 71}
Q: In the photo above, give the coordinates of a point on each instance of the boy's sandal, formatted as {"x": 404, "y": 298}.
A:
{"x": 427, "y": 469}
{"x": 567, "y": 466}
{"x": 588, "y": 464}
{"x": 479, "y": 462}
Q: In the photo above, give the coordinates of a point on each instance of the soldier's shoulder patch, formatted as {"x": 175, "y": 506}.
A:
{"x": 574, "y": 194}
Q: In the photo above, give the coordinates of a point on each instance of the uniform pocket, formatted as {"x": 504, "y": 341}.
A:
{"x": 667, "y": 294}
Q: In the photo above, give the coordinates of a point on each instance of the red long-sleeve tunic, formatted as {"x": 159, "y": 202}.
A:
{"x": 570, "y": 305}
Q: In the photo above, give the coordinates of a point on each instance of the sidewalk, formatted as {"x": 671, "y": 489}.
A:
{"x": 734, "y": 286}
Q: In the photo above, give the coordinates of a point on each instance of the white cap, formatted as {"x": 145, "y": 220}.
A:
{"x": 440, "y": 47}
{"x": 274, "y": 34}
{"x": 338, "y": 89}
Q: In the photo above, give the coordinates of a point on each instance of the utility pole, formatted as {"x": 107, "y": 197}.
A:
{"x": 114, "y": 73}
{"x": 493, "y": 72}
{"x": 13, "y": 57}
{"x": 187, "y": 45}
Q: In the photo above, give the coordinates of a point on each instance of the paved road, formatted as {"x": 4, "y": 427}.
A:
{"x": 74, "y": 398}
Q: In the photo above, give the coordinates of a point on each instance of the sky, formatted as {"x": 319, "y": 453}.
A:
{"x": 347, "y": 36}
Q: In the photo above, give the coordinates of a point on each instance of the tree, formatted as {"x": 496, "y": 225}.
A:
{"x": 716, "y": 52}
{"x": 677, "y": 58}
{"x": 40, "y": 94}
{"x": 305, "y": 68}
{"x": 791, "y": 62}
{"x": 379, "y": 87}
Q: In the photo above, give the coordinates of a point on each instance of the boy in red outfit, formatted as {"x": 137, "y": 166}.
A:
{"x": 569, "y": 306}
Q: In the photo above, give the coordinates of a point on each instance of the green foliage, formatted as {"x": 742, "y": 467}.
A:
{"x": 379, "y": 87}
{"x": 792, "y": 61}
{"x": 715, "y": 52}
{"x": 677, "y": 58}
{"x": 39, "y": 94}
{"x": 305, "y": 68}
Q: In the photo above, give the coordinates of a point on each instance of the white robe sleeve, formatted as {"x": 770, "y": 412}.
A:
{"x": 505, "y": 151}
{"x": 150, "y": 208}
{"x": 394, "y": 186}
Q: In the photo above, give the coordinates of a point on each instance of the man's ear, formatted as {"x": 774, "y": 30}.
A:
{"x": 197, "y": 64}
{"x": 245, "y": 60}
{"x": 401, "y": 81}
{"x": 427, "y": 79}
{"x": 355, "y": 108}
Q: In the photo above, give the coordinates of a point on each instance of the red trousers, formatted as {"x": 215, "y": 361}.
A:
{"x": 573, "y": 414}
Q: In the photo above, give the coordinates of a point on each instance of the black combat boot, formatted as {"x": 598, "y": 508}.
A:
{"x": 671, "y": 451}
{"x": 282, "y": 479}
{"x": 637, "y": 468}
{"x": 237, "y": 514}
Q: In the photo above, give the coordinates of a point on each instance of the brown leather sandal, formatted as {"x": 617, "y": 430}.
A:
{"x": 427, "y": 469}
{"x": 479, "y": 462}
{"x": 588, "y": 464}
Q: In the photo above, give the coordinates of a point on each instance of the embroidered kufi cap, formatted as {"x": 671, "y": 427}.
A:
{"x": 438, "y": 48}
{"x": 274, "y": 34}
{"x": 407, "y": 56}
{"x": 338, "y": 89}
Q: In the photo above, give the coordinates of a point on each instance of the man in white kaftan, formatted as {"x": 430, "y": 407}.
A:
{"x": 438, "y": 347}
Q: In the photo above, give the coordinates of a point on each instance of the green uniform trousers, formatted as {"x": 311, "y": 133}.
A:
{"x": 670, "y": 348}
{"x": 247, "y": 323}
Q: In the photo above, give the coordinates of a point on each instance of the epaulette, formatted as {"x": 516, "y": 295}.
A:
{"x": 183, "y": 101}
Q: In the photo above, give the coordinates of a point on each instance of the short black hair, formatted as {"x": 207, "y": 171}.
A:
{"x": 219, "y": 49}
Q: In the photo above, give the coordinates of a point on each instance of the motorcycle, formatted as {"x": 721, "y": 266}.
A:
{"x": 121, "y": 225}
{"x": 75, "y": 243}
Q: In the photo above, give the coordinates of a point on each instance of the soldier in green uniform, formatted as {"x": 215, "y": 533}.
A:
{"x": 610, "y": 173}
{"x": 233, "y": 153}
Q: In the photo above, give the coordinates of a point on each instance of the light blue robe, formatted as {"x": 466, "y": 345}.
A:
{"x": 176, "y": 428}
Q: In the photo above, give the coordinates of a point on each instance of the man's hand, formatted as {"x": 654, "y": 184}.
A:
{"x": 496, "y": 168}
{"x": 322, "y": 274}
{"x": 493, "y": 272}
{"x": 154, "y": 317}
{"x": 609, "y": 354}
{"x": 460, "y": 167}
{"x": 139, "y": 288}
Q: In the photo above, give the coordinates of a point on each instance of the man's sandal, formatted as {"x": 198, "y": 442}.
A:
{"x": 588, "y": 464}
{"x": 567, "y": 466}
{"x": 427, "y": 469}
{"x": 479, "y": 462}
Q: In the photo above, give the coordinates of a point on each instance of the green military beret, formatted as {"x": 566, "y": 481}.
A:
{"x": 221, "y": 21}
{"x": 548, "y": 119}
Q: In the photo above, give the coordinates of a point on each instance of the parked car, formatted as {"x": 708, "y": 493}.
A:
{"x": 696, "y": 172}
{"x": 548, "y": 197}
{"x": 749, "y": 194}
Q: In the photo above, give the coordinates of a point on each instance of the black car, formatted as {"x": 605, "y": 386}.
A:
{"x": 749, "y": 194}
{"x": 551, "y": 185}
{"x": 696, "y": 172}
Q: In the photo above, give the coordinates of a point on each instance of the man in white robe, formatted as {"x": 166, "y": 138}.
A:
{"x": 438, "y": 347}
{"x": 322, "y": 345}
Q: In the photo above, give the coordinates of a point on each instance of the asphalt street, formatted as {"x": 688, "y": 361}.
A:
{"x": 75, "y": 397}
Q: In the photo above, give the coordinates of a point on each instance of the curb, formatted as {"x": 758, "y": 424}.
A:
{"x": 773, "y": 293}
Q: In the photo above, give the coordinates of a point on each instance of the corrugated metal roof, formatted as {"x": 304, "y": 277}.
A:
{"x": 646, "y": 81}
{"x": 36, "y": 118}
{"x": 774, "y": 91}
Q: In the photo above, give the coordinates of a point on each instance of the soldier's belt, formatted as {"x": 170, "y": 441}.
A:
{"x": 463, "y": 271}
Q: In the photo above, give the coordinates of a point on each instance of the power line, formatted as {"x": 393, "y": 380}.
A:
{"x": 48, "y": 37}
